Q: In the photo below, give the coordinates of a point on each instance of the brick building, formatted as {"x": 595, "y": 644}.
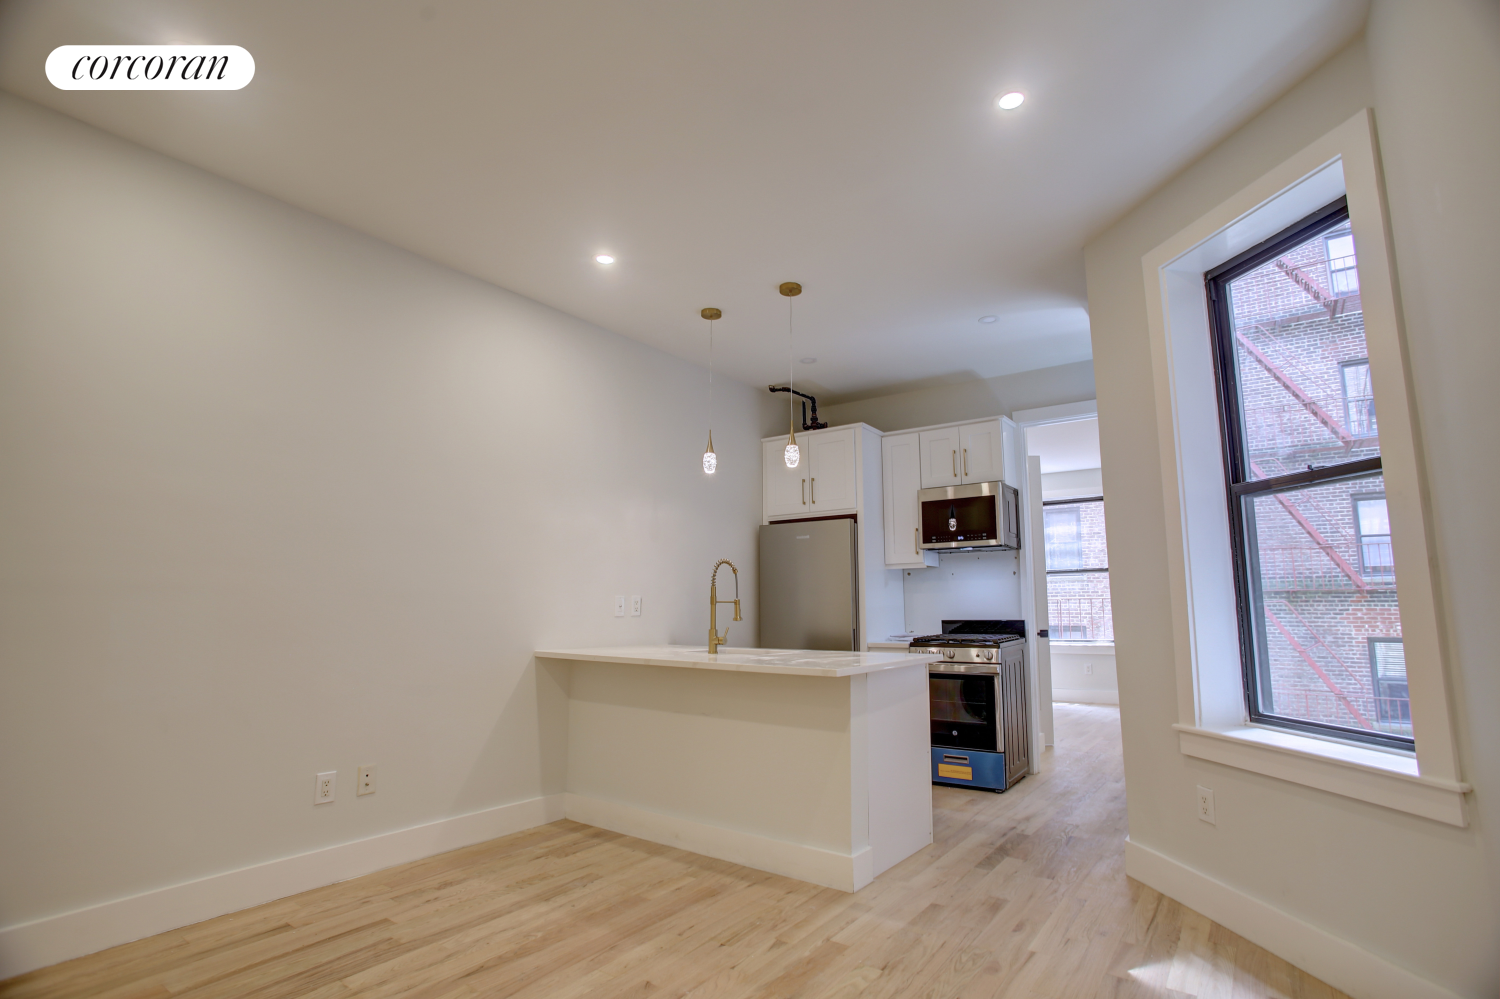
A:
{"x": 1328, "y": 628}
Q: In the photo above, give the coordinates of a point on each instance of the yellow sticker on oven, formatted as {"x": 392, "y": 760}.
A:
{"x": 949, "y": 770}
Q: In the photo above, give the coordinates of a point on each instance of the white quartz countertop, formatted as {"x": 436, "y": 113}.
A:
{"x": 796, "y": 662}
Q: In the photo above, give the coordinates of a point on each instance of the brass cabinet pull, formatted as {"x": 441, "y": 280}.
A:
{"x": 955, "y": 464}
{"x": 814, "y": 489}
{"x": 804, "y": 492}
{"x": 966, "y": 461}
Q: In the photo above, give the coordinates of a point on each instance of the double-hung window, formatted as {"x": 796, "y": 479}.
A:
{"x": 1343, "y": 275}
{"x": 1078, "y": 603}
{"x": 1359, "y": 398}
{"x": 1320, "y": 625}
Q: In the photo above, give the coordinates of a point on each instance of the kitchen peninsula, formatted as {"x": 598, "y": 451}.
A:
{"x": 815, "y": 765}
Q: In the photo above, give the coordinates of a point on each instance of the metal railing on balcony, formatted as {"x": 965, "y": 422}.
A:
{"x": 1306, "y": 568}
{"x": 1080, "y": 619}
{"x": 1391, "y": 715}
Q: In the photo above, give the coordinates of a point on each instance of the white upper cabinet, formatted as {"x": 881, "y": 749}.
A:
{"x": 830, "y": 477}
{"x": 981, "y": 452}
{"x": 824, "y": 481}
{"x": 901, "y": 476}
{"x": 785, "y": 488}
{"x": 940, "y": 457}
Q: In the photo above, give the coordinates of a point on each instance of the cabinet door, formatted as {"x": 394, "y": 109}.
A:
{"x": 785, "y": 489}
{"x": 940, "y": 458}
{"x": 981, "y": 452}
{"x": 901, "y": 474}
{"x": 830, "y": 475}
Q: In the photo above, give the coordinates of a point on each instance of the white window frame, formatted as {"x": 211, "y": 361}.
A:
{"x": 1212, "y": 720}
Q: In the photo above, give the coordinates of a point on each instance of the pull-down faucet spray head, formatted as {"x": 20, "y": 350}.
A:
{"x": 714, "y": 639}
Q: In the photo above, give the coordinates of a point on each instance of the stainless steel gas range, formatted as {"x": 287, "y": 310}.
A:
{"x": 981, "y": 734}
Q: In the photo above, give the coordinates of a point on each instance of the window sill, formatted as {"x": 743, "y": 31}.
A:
{"x": 1365, "y": 774}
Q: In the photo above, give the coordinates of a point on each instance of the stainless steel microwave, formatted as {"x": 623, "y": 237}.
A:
{"x": 977, "y": 515}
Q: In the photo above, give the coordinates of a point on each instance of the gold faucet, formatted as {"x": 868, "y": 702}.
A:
{"x": 714, "y": 641}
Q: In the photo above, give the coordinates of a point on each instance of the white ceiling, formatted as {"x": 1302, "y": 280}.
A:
{"x": 718, "y": 149}
{"x": 1065, "y": 447}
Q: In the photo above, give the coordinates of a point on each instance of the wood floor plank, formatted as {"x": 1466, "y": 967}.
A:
{"x": 1020, "y": 895}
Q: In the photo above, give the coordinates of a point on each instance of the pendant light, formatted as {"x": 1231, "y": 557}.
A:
{"x": 710, "y": 460}
{"x": 793, "y": 453}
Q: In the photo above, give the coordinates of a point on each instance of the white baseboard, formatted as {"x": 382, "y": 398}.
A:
{"x": 795, "y": 860}
{"x": 1085, "y": 695}
{"x": 28, "y": 946}
{"x": 1344, "y": 965}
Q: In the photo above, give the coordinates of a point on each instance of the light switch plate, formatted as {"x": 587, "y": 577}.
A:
{"x": 365, "y": 777}
{"x": 620, "y": 606}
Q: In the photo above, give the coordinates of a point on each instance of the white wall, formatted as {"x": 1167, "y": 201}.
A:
{"x": 982, "y": 586}
{"x": 974, "y": 399}
{"x": 279, "y": 498}
{"x": 1076, "y": 484}
{"x": 1084, "y": 672}
{"x": 1416, "y": 894}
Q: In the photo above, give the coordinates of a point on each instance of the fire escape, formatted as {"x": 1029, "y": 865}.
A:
{"x": 1354, "y": 690}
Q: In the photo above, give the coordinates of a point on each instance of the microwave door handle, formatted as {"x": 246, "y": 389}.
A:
{"x": 916, "y": 540}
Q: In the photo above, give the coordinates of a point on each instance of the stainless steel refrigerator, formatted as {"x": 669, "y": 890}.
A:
{"x": 809, "y": 585}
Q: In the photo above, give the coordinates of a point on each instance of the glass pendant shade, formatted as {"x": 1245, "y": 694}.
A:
{"x": 793, "y": 453}
{"x": 710, "y": 460}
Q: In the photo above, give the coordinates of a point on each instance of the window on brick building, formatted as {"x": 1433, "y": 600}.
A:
{"x": 1320, "y": 626}
{"x": 1373, "y": 524}
{"x": 1388, "y": 675}
{"x": 1359, "y": 399}
{"x": 1343, "y": 275}
{"x": 1078, "y": 603}
{"x": 1061, "y": 525}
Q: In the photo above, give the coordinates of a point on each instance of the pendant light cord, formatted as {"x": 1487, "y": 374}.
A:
{"x": 710, "y": 378}
{"x": 790, "y": 399}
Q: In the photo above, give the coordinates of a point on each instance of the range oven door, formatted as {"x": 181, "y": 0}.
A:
{"x": 965, "y": 710}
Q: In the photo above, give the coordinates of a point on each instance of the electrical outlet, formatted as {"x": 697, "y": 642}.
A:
{"x": 1206, "y": 805}
{"x": 366, "y": 781}
{"x": 619, "y": 606}
{"x": 1088, "y": 669}
{"x": 635, "y": 606}
{"x": 324, "y": 787}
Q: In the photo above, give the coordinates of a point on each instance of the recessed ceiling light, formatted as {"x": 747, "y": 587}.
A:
{"x": 1011, "y": 101}
{"x": 809, "y": 360}
{"x": 605, "y": 258}
{"x": 988, "y": 319}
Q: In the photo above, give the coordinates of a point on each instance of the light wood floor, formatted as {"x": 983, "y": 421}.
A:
{"x": 1022, "y": 894}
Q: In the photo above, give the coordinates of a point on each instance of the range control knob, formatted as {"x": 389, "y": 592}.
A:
{"x": 949, "y": 653}
{"x": 989, "y": 653}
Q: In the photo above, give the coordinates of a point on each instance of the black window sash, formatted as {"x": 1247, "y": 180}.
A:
{"x": 1239, "y": 487}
